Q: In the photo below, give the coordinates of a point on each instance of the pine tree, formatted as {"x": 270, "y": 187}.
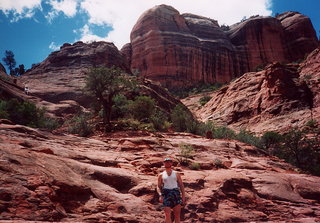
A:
{"x": 9, "y": 61}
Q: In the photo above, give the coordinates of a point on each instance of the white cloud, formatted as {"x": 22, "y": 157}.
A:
{"x": 123, "y": 14}
{"x": 54, "y": 46}
{"x": 19, "y": 8}
{"x": 68, "y": 7}
{"x": 87, "y": 35}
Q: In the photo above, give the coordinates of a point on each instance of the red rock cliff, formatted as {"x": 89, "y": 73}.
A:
{"x": 184, "y": 49}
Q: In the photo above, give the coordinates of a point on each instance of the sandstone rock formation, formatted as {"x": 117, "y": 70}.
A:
{"x": 181, "y": 50}
{"x": 113, "y": 178}
{"x": 59, "y": 79}
{"x": 61, "y": 76}
{"x": 300, "y": 36}
{"x": 275, "y": 99}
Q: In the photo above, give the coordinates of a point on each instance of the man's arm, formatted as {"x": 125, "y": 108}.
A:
{"x": 160, "y": 184}
{"x": 180, "y": 183}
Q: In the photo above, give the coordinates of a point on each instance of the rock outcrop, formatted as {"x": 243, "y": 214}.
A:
{"x": 275, "y": 99}
{"x": 61, "y": 76}
{"x": 300, "y": 36}
{"x": 113, "y": 178}
{"x": 310, "y": 73}
{"x": 181, "y": 50}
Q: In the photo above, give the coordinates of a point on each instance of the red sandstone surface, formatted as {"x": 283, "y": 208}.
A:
{"x": 112, "y": 178}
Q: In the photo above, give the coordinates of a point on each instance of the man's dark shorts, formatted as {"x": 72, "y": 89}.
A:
{"x": 171, "y": 197}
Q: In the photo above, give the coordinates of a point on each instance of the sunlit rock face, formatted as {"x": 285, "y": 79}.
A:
{"x": 181, "y": 50}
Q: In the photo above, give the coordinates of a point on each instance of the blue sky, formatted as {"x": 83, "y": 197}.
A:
{"x": 34, "y": 28}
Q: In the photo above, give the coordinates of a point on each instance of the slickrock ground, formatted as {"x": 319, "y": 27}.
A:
{"x": 275, "y": 99}
{"x": 112, "y": 178}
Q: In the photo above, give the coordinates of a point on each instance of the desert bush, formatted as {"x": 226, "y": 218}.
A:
{"x": 223, "y": 132}
{"x": 79, "y": 124}
{"x": 26, "y": 113}
{"x": 134, "y": 125}
{"x": 186, "y": 153}
{"x": 204, "y": 100}
{"x": 249, "y": 138}
{"x": 159, "y": 120}
{"x": 270, "y": 139}
{"x": 195, "y": 166}
{"x": 302, "y": 150}
{"x": 312, "y": 123}
{"x": 3, "y": 110}
{"x": 183, "y": 93}
{"x": 182, "y": 119}
{"x": 217, "y": 163}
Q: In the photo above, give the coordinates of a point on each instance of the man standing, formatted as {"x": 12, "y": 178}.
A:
{"x": 171, "y": 186}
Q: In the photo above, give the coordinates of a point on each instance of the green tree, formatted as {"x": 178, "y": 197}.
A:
{"x": 103, "y": 84}
{"x": 271, "y": 140}
{"x": 9, "y": 61}
{"x": 20, "y": 70}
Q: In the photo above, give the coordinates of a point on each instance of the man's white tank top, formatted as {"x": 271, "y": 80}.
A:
{"x": 170, "y": 182}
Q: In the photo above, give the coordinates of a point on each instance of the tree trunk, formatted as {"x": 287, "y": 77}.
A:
{"x": 107, "y": 107}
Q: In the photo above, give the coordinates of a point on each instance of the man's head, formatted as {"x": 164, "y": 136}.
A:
{"x": 167, "y": 162}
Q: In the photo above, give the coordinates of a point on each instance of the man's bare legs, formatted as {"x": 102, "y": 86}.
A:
{"x": 167, "y": 212}
{"x": 176, "y": 212}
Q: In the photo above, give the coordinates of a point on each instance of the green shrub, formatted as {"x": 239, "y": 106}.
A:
{"x": 302, "y": 150}
{"x": 26, "y": 113}
{"x": 217, "y": 163}
{"x": 186, "y": 153}
{"x": 222, "y": 132}
{"x": 79, "y": 125}
{"x": 312, "y": 123}
{"x": 3, "y": 110}
{"x": 195, "y": 166}
{"x": 134, "y": 125}
{"x": 183, "y": 93}
{"x": 270, "y": 139}
{"x": 142, "y": 108}
{"x": 159, "y": 120}
{"x": 204, "y": 100}
{"x": 181, "y": 118}
{"x": 49, "y": 123}
{"x": 249, "y": 138}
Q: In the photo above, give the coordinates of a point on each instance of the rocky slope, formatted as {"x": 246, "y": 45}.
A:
{"x": 2, "y": 69}
{"x": 182, "y": 50}
{"x": 112, "y": 178}
{"x": 275, "y": 99}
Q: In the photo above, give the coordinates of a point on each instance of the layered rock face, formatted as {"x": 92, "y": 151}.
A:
{"x": 182, "y": 50}
{"x": 64, "y": 178}
{"x": 275, "y": 99}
